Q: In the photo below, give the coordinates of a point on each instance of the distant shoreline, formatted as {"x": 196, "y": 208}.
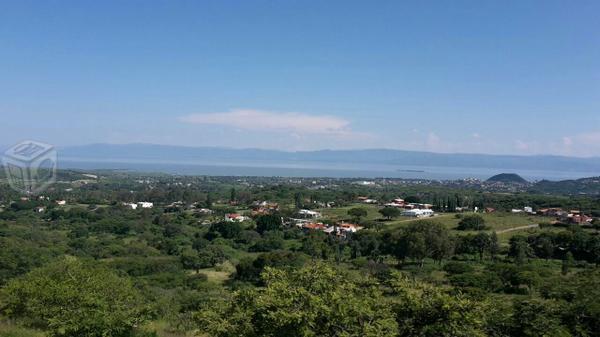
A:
{"x": 334, "y": 170}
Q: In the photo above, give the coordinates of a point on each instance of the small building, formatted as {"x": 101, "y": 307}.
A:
{"x": 308, "y": 214}
{"x": 145, "y": 204}
{"x": 314, "y": 226}
{"x": 418, "y": 213}
{"x": 61, "y": 202}
{"x": 348, "y": 227}
{"x": 235, "y": 217}
{"x": 264, "y": 207}
{"x": 552, "y": 211}
{"x": 203, "y": 211}
{"x": 130, "y": 205}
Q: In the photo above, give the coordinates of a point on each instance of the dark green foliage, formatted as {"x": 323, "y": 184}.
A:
{"x": 519, "y": 249}
{"x": 225, "y": 229}
{"x": 210, "y": 256}
{"x": 271, "y": 240}
{"x": 268, "y": 222}
{"x": 454, "y": 267}
{"x": 535, "y": 317}
{"x": 420, "y": 240}
{"x": 72, "y": 298}
{"x": 249, "y": 270}
{"x": 473, "y": 222}
{"x": 313, "y": 301}
{"x": 390, "y": 212}
{"x": 509, "y": 178}
{"x": 357, "y": 213}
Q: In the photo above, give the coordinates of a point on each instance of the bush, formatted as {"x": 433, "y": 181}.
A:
{"x": 194, "y": 281}
{"x": 455, "y": 267}
{"x": 71, "y": 298}
{"x": 472, "y": 222}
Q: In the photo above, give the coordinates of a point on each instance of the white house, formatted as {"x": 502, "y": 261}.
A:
{"x": 145, "y": 204}
{"x": 130, "y": 205}
{"x": 61, "y": 202}
{"x": 418, "y": 213}
{"x": 306, "y": 213}
{"x": 204, "y": 211}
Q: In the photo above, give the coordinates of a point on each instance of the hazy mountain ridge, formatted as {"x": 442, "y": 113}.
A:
{"x": 151, "y": 152}
{"x": 577, "y": 186}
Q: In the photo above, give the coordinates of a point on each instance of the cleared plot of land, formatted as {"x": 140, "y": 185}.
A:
{"x": 215, "y": 276}
{"x": 498, "y": 221}
{"x": 505, "y": 224}
{"x": 341, "y": 213}
{"x": 495, "y": 221}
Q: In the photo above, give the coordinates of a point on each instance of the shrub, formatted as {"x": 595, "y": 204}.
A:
{"x": 71, "y": 298}
{"x": 472, "y": 222}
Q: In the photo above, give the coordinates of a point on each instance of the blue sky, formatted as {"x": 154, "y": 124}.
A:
{"x": 517, "y": 77}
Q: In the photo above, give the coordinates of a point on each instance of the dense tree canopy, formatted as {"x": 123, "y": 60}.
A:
{"x": 73, "y": 298}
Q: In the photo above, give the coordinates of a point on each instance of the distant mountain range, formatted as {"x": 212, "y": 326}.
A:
{"x": 206, "y": 155}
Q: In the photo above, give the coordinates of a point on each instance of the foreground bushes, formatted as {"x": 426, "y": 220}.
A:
{"x": 72, "y": 298}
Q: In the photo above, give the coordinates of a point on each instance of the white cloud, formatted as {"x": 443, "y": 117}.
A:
{"x": 433, "y": 142}
{"x": 256, "y": 120}
{"x": 583, "y": 144}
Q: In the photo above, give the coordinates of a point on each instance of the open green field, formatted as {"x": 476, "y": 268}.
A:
{"x": 495, "y": 221}
{"x": 499, "y": 221}
{"x": 341, "y": 213}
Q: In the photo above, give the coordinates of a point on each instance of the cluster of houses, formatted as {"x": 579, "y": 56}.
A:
{"x": 41, "y": 209}
{"x": 264, "y": 207}
{"x": 341, "y": 229}
{"x": 563, "y": 216}
{"x": 235, "y": 217}
{"x": 571, "y": 216}
{"x": 412, "y": 209}
{"x": 307, "y": 220}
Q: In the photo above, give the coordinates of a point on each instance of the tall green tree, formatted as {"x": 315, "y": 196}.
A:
{"x": 483, "y": 242}
{"x": 390, "y": 212}
{"x": 426, "y": 311}
{"x": 232, "y": 195}
{"x": 567, "y": 263}
{"x": 357, "y": 213}
{"x": 316, "y": 300}
{"x": 268, "y": 222}
{"x": 519, "y": 249}
{"x": 494, "y": 245}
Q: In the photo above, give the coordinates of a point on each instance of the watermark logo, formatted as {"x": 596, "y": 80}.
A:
{"x": 30, "y": 166}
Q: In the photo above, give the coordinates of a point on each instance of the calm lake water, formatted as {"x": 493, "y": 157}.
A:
{"x": 334, "y": 170}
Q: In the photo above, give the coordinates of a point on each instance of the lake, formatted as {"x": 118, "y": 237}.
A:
{"x": 308, "y": 169}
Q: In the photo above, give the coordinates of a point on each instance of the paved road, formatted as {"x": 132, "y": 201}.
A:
{"x": 517, "y": 228}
